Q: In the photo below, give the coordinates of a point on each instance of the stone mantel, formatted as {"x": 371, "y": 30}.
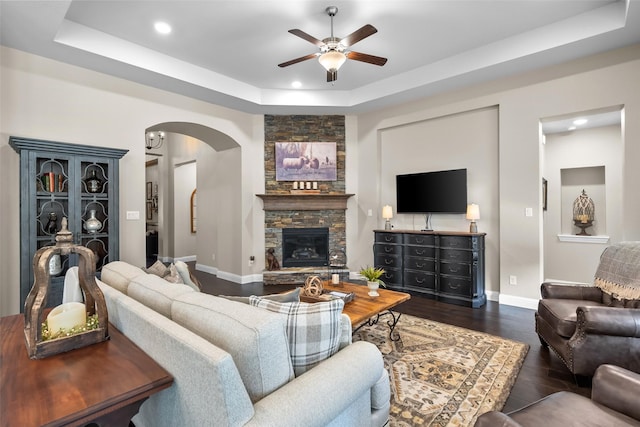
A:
{"x": 304, "y": 202}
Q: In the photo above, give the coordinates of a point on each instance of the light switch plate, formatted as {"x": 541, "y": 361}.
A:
{"x": 133, "y": 215}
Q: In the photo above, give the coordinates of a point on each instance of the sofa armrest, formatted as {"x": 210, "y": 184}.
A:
{"x": 495, "y": 419}
{"x": 558, "y": 291}
{"x": 617, "y": 388}
{"x": 622, "y": 322}
{"x": 312, "y": 399}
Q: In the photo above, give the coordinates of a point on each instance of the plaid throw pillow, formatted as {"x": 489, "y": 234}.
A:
{"x": 313, "y": 329}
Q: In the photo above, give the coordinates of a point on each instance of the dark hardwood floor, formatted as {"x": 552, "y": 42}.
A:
{"x": 542, "y": 372}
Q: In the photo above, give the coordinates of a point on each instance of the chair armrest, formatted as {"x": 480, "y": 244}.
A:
{"x": 616, "y": 321}
{"x": 318, "y": 396}
{"x": 558, "y": 291}
{"x": 618, "y": 389}
{"x": 495, "y": 419}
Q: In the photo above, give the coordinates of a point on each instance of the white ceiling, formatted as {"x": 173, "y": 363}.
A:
{"x": 227, "y": 51}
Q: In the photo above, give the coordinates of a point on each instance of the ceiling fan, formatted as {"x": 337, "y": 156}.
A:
{"x": 333, "y": 50}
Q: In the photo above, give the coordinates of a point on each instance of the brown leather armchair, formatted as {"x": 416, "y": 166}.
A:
{"x": 587, "y": 326}
{"x": 614, "y": 402}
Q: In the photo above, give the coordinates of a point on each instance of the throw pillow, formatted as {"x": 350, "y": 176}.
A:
{"x": 289, "y": 296}
{"x": 313, "y": 330}
{"x": 158, "y": 268}
{"x": 173, "y": 276}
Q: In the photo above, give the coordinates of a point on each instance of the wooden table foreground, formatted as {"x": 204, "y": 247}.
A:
{"x": 104, "y": 383}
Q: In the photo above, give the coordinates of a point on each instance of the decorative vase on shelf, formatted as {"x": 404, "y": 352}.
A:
{"x": 94, "y": 184}
{"x": 92, "y": 224}
{"x": 373, "y": 289}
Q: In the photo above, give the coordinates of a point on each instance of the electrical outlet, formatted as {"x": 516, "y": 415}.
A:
{"x": 513, "y": 280}
{"x": 213, "y": 257}
{"x": 133, "y": 215}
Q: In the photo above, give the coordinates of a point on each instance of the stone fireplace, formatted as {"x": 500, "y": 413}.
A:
{"x": 286, "y": 209}
{"x": 305, "y": 247}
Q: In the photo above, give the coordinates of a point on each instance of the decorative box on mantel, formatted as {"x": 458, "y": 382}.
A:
{"x": 36, "y": 301}
{"x": 304, "y": 202}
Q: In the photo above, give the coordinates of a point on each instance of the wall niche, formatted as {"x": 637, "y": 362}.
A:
{"x": 572, "y": 182}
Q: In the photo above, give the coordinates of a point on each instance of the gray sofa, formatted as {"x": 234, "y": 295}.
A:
{"x": 230, "y": 361}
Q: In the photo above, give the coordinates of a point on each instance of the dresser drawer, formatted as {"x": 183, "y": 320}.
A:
{"x": 392, "y": 276}
{"x": 456, "y": 255}
{"x": 420, "y": 251}
{"x": 419, "y": 279}
{"x": 420, "y": 239}
{"x": 423, "y": 264}
{"x": 454, "y": 286}
{"x": 388, "y": 237}
{"x": 381, "y": 248}
{"x": 388, "y": 261}
{"x": 460, "y": 242}
{"x": 455, "y": 269}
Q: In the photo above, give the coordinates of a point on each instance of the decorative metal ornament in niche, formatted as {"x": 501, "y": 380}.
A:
{"x": 583, "y": 213}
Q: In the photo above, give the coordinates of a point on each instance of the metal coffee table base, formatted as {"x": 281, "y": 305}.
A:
{"x": 391, "y": 323}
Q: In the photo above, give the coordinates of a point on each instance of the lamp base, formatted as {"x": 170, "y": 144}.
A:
{"x": 473, "y": 227}
{"x": 387, "y": 225}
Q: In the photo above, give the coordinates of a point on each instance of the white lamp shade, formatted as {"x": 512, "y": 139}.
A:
{"x": 473, "y": 212}
{"x": 332, "y": 60}
{"x": 387, "y": 212}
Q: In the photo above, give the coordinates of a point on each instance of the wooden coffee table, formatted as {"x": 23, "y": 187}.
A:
{"x": 103, "y": 383}
{"x": 366, "y": 310}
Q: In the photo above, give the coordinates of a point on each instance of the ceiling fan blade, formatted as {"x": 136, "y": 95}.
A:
{"x": 307, "y": 37}
{"x": 332, "y": 76}
{"x": 295, "y": 61}
{"x": 363, "y": 57}
{"x": 358, "y": 35}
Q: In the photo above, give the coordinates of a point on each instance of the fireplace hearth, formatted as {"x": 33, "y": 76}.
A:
{"x": 305, "y": 247}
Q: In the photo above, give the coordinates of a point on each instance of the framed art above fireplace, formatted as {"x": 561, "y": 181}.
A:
{"x": 305, "y": 161}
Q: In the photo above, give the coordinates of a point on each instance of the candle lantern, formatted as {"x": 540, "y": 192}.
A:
{"x": 583, "y": 213}
{"x": 337, "y": 266}
{"x": 70, "y": 328}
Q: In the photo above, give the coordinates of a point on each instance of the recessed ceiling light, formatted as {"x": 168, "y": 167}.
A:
{"x": 579, "y": 122}
{"x": 572, "y": 128}
{"x": 296, "y": 84}
{"x": 162, "y": 27}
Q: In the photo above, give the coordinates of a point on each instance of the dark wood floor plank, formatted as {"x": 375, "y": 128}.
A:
{"x": 542, "y": 372}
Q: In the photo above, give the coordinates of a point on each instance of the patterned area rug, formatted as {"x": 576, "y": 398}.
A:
{"x": 443, "y": 375}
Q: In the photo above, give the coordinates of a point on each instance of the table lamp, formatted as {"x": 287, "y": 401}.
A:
{"x": 473, "y": 214}
{"x": 387, "y": 214}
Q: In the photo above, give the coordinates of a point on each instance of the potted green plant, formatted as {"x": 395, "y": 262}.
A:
{"x": 373, "y": 275}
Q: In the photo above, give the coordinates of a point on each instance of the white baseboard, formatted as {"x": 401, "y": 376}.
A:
{"x": 235, "y": 278}
{"x": 189, "y": 258}
{"x": 522, "y": 302}
{"x": 207, "y": 269}
{"x": 493, "y": 296}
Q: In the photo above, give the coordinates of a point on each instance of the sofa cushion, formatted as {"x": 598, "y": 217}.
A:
{"x": 156, "y": 293}
{"x": 561, "y": 314}
{"x": 255, "y": 338}
{"x": 289, "y": 296}
{"x": 118, "y": 275}
{"x": 313, "y": 330}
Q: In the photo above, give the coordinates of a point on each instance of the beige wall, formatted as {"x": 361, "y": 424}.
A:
{"x": 49, "y": 100}
{"x": 602, "y": 81}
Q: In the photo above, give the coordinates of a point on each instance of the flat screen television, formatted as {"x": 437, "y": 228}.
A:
{"x": 432, "y": 192}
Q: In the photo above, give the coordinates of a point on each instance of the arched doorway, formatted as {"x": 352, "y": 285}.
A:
{"x": 213, "y": 158}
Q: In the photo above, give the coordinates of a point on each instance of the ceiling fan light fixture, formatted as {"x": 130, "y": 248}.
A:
{"x": 332, "y": 60}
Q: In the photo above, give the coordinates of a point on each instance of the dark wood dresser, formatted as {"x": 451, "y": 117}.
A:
{"x": 447, "y": 266}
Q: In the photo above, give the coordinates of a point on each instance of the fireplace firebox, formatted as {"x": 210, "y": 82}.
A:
{"x": 305, "y": 247}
